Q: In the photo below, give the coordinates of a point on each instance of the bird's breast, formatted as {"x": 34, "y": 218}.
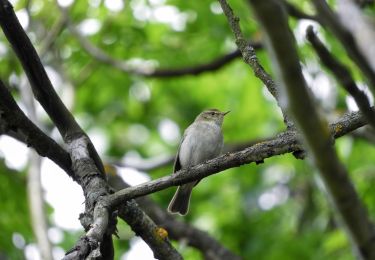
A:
{"x": 203, "y": 141}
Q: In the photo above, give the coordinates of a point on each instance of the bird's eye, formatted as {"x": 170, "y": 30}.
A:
{"x": 212, "y": 113}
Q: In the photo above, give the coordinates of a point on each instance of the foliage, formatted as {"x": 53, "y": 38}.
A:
{"x": 275, "y": 210}
{"x": 14, "y": 217}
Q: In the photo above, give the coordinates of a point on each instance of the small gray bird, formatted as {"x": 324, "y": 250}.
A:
{"x": 202, "y": 140}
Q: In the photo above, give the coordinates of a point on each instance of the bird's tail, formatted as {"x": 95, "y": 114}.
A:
{"x": 181, "y": 199}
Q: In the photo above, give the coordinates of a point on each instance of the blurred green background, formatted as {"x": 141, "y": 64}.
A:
{"x": 275, "y": 210}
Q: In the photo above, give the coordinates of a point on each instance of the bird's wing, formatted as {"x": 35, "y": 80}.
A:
{"x": 177, "y": 163}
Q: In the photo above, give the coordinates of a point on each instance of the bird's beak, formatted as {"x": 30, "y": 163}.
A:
{"x": 224, "y": 113}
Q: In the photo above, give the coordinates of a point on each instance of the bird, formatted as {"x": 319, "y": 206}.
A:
{"x": 202, "y": 141}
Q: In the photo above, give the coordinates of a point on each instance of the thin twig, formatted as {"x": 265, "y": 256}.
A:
{"x": 51, "y": 36}
{"x": 342, "y": 75}
{"x": 249, "y": 56}
{"x": 365, "y": 133}
{"x": 361, "y": 26}
{"x": 330, "y": 20}
{"x": 295, "y": 12}
{"x": 124, "y": 65}
{"x": 365, "y": 3}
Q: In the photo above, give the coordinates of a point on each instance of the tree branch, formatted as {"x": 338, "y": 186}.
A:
{"x": 213, "y": 65}
{"x": 361, "y": 27}
{"x": 124, "y": 66}
{"x": 144, "y": 227}
{"x": 365, "y": 133}
{"x": 153, "y": 163}
{"x": 15, "y": 123}
{"x": 364, "y": 3}
{"x": 330, "y": 20}
{"x": 250, "y": 58}
{"x": 315, "y": 133}
{"x": 342, "y": 75}
{"x": 86, "y": 163}
{"x": 285, "y": 142}
{"x": 14, "y": 120}
{"x": 297, "y": 13}
{"x": 51, "y": 36}
{"x": 178, "y": 230}
{"x": 19, "y": 123}
{"x": 40, "y": 83}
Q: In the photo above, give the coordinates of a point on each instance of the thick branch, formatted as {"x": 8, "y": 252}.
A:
{"x": 250, "y": 58}
{"x": 342, "y": 75}
{"x": 285, "y": 142}
{"x": 315, "y": 133}
{"x": 330, "y": 20}
{"x": 39, "y": 81}
{"x": 96, "y": 218}
{"x": 134, "y": 216}
{"x": 144, "y": 227}
{"x": 41, "y": 84}
{"x": 178, "y": 230}
{"x": 140, "y": 223}
{"x": 13, "y": 118}
{"x": 16, "y": 124}
{"x": 86, "y": 163}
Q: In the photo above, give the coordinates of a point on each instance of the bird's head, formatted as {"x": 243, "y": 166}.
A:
{"x": 213, "y": 115}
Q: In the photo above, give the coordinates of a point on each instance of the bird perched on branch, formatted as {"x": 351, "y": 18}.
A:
{"x": 202, "y": 140}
